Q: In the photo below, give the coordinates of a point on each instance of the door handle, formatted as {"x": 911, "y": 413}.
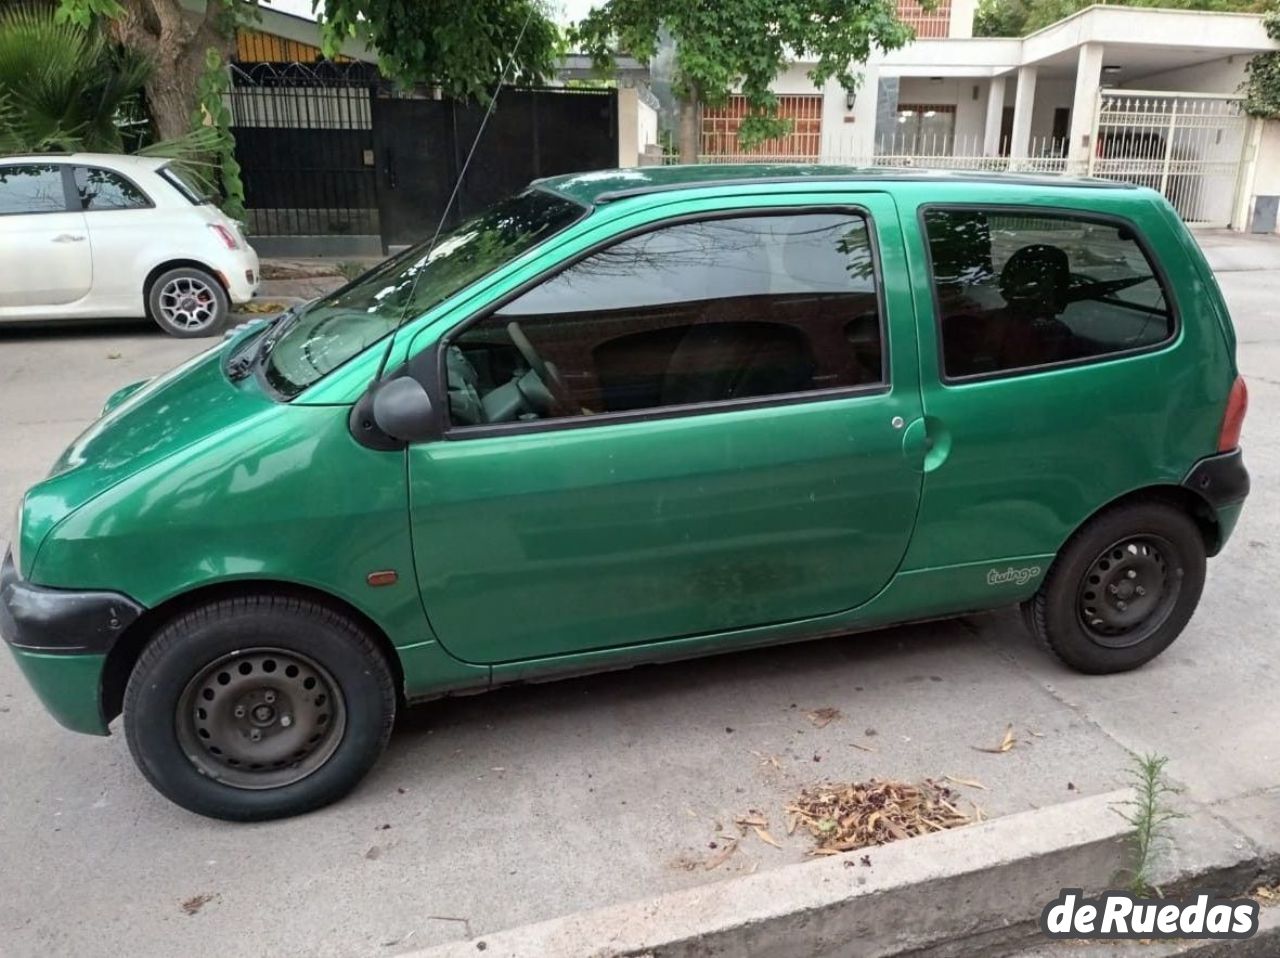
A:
{"x": 69, "y": 238}
{"x": 926, "y": 443}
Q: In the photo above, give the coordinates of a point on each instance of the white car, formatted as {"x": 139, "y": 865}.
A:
{"x": 87, "y": 235}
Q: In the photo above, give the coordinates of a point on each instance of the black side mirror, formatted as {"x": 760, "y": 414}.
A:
{"x": 393, "y": 413}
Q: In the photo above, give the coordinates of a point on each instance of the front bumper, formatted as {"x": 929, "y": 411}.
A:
{"x": 60, "y": 638}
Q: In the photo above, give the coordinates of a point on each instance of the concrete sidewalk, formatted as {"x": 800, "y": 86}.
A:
{"x": 531, "y": 803}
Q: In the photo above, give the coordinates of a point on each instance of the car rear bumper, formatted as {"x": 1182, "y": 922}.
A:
{"x": 242, "y": 273}
{"x": 1223, "y": 482}
{"x": 60, "y": 639}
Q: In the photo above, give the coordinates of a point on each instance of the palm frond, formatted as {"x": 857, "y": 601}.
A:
{"x": 62, "y": 85}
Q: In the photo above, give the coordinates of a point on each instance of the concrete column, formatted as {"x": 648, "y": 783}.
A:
{"x": 1083, "y": 104}
{"x": 628, "y": 126}
{"x": 962, "y": 12}
{"x": 1024, "y": 101}
{"x": 995, "y": 117}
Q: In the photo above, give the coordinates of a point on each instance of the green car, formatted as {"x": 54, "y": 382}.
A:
{"x": 635, "y": 416}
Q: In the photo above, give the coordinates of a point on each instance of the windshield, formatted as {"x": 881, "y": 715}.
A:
{"x": 343, "y": 324}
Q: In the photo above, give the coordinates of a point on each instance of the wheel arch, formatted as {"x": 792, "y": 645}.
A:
{"x": 1196, "y": 507}
{"x": 181, "y": 263}
{"x": 128, "y": 647}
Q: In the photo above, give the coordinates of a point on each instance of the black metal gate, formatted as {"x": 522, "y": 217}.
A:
{"x": 328, "y": 153}
{"x": 304, "y": 141}
{"x": 421, "y": 146}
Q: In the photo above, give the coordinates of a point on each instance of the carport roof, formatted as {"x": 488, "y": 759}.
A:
{"x": 1147, "y": 40}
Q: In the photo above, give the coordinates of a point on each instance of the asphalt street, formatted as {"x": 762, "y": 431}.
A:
{"x": 526, "y": 803}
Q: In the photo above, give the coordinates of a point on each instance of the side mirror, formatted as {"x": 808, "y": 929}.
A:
{"x": 392, "y": 413}
{"x": 402, "y": 409}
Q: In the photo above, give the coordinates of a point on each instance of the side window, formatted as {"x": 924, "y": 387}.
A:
{"x": 32, "y": 188}
{"x": 699, "y": 312}
{"x": 1020, "y": 291}
{"x": 105, "y": 190}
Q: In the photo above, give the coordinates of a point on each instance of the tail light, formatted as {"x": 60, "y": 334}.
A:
{"x": 229, "y": 239}
{"x": 1233, "y": 418}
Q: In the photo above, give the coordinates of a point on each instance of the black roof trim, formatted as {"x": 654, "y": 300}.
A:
{"x": 1006, "y": 179}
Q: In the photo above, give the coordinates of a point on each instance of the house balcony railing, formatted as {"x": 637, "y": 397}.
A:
{"x": 1045, "y": 155}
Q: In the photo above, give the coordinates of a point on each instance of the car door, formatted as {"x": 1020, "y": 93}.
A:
{"x": 116, "y": 214}
{"x": 729, "y": 453}
{"x": 1055, "y": 377}
{"x": 43, "y": 242}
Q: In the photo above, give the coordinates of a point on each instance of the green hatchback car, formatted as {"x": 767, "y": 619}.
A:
{"x": 634, "y": 416}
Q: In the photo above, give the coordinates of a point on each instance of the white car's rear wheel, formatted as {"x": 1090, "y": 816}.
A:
{"x": 188, "y": 303}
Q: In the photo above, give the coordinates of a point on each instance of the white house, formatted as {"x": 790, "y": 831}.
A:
{"x": 1142, "y": 94}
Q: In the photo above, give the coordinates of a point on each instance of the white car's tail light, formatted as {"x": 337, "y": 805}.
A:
{"x": 228, "y": 238}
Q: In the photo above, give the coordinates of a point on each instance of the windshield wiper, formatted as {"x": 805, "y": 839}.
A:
{"x": 245, "y": 361}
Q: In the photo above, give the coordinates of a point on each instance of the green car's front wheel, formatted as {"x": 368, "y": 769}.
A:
{"x": 258, "y": 707}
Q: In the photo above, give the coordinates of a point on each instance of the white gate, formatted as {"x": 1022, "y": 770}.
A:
{"x": 1189, "y": 146}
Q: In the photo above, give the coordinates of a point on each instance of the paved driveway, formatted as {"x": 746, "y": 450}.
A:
{"x": 532, "y": 802}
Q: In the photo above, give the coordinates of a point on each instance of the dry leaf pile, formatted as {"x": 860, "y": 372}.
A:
{"x": 842, "y": 817}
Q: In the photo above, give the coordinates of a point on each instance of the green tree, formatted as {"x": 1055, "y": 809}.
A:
{"x": 1017, "y": 18}
{"x": 1262, "y": 76}
{"x": 743, "y": 45}
{"x": 62, "y": 87}
{"x": 175, "y": 41}
{"x": 460, "y": 46}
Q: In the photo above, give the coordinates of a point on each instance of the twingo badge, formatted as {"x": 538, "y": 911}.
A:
{"x": 1010, "y": 574}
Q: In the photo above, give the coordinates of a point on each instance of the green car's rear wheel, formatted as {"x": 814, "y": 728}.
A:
{"x": 258, "y": 707}
{"x": 1122, "y": 589}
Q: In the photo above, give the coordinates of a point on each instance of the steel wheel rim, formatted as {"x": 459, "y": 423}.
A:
{"x": 1128, "y": 591}
{"x": 260, "y": 718}
{"x": 188, "y": 303}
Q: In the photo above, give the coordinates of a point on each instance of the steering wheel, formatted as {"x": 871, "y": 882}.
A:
{"x": 545, "y": 372}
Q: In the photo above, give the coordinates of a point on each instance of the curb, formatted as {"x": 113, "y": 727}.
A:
{"x": 975, "y": 890}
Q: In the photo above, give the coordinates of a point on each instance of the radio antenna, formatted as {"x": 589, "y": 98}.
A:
{"x": 457, "y": 185}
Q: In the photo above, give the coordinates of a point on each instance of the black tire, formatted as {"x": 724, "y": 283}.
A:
{"x": 1079, "y": 616}
{"x": 188, "y": 303}
{"x": 180, "y": 666}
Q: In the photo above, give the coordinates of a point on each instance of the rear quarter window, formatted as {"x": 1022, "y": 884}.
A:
{"x": 1018, "y": 291}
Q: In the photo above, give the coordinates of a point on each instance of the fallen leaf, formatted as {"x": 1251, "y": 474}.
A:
{"x": 193, "y": 904}
{"x": 1268, "y": 894}
{"x": 722, "y": 856}
{"x": 373, "y": 853}
{"x": 1032, "y": 732}
{"x": 117, "y": 356}
{"x": 765, "y": 837}
{"x": 970, "y": 782}
{"x": 257, "y": 307}
{"x": 755, "y": 821}
{"x": 824, "y": 716}
{"x": 865, "y": 748}
{"x": 1005, "y": 744}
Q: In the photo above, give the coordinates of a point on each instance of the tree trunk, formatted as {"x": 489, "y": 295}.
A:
{"x": 690, "y": 127}
{"x": 172, "y": 95}
{"x": 175, "y": 40}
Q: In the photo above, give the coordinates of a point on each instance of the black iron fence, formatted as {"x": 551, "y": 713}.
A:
{"x": 304, "y": 141}
{"x": 330, "y": 150}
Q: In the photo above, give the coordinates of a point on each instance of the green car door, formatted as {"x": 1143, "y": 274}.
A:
{"x": 1063, "y": 368}
{"x": 688, "y": 428}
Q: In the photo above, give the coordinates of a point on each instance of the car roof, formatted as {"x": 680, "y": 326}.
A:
{"x": 603, "y": 186}
{"x": 119, "y": 161}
